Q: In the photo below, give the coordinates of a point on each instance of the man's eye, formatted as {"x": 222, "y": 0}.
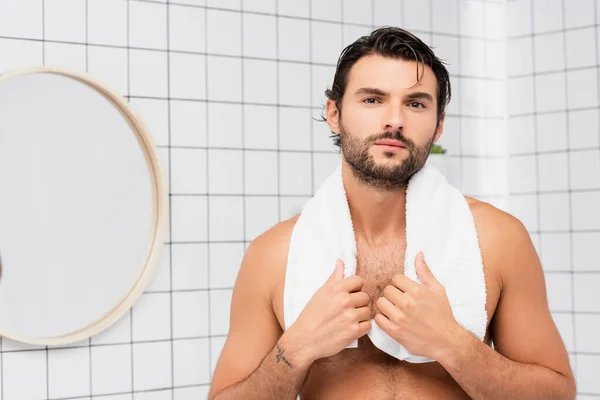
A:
{"x": 417, "y": 104}
{"x": 371, "y": 100}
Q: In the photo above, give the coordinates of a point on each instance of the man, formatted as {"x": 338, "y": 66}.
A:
{"x": 386, "y": 109}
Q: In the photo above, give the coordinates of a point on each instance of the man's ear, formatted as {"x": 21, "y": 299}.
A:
{"x": 440, "y": 128}
{"x": 333, "y": 116}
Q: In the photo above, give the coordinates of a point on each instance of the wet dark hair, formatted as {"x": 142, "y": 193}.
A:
{"x": 395, "y": 43}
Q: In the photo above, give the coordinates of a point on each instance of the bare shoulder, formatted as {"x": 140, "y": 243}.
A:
{"x": 490, "y": 216}
{"x": 501, "y": 235}
{"x": 522, "y": 326}
{"x": 270, "y": 250}
{"x": 278, "y": 235}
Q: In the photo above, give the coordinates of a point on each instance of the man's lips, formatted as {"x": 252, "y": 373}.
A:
{"x": 388, "y": 142}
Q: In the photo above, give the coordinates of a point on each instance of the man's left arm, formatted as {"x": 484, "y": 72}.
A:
{"x": 484, "y": 373}
{"x": 529, "y": 359}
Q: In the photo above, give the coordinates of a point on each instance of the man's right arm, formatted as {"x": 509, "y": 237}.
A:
{"x": 280, "y": 375}
{"x": 257, "y": 361}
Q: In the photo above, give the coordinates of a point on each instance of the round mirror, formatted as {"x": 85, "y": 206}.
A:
{"x": 82, "y": 206}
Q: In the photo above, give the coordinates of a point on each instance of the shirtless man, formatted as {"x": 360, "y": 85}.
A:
{"x": 391, "y": 86}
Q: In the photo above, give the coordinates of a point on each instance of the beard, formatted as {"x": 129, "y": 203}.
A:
{"x": 391, "y": 176}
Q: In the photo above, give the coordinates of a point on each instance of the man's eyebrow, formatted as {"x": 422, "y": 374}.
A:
{"x": 420, "y": 96}
{"x": 373, "y": 91}
{"x": 379, "y": 92}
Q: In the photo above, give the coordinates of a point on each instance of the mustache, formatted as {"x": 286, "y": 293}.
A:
{"x": 395, "y": 135}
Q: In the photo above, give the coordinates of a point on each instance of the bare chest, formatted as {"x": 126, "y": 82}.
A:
{"x": 352, "y": 371}
{"x": 377, "y": 266}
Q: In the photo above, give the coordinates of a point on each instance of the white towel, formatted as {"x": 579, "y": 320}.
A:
{"x": 438, "y": 222}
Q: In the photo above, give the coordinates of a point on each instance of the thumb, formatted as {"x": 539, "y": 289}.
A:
{"x": 338, "y": 272}
{"x": 423, "y": 271}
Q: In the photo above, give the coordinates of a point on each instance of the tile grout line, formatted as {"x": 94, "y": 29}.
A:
{"x": 87, "y": 63}
{"x": 131, "y": 355}
{"x": 44, "y": 62}
{"x": 569, "y": 191}
{"x": 243, "y": 93}
{"x": 597, "y": 45}
{"x": 207, "y": 204}
{"x": 505, "y": 116}
{"x": 310, "y": 93}
{"x": 459, "y": 107}
{"x": 201, "y": 53}
{"x": 170, "y": 175}
{"x": 536, "y": 193}
{"x": 278, "y": 113}
{"x": 310, "y": 18}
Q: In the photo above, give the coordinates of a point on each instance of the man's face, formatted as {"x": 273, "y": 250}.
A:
{"x": 387, "y": 125}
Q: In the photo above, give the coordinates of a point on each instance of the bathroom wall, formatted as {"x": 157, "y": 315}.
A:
{"x": 554, "y": 162}
{"x": 228, "y": 90}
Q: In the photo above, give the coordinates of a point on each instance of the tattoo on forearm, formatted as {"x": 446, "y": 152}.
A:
{"x": 279, "y": 356}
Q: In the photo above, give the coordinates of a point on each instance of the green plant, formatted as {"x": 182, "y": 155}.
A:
{"x": 437, "y": 149}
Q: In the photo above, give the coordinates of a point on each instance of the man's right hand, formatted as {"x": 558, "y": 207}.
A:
{"x": 336, "y": 315}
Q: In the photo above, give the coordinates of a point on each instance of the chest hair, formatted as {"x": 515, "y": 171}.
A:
{"x": 377, "y": 266}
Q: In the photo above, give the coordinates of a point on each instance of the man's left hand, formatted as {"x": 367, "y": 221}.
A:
{"x": 419, "y": 317}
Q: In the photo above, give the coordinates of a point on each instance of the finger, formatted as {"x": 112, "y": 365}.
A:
{"x": 404, "y": 283}
{"x": 338, "y": 271}
{"x": 423, "y": 272}
{"x": 360, "y": 299}
{"x": 388, "y": 309}
{"x": 363, "y": 314}
{"x": 352, "y": 283}
{"x": 403, "y": 303}
{"x": 384, "y": 323}
{"x": 394, "y": 295}
{"x": 399, "y": 299}
{"x": 364, "y": 327}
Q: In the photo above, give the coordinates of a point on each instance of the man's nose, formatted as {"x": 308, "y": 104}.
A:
{"x": 394, "y": 117}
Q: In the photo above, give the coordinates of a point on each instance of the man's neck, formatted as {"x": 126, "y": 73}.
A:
{"x": 378, "y": 216}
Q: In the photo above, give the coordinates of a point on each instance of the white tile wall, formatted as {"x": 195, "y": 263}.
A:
{"x": 187, "y": 30}
{"x": 555, "y": 251}
{"x": 261, "y": 172}
{"x": 69, "y": 372}
{"x": 555, "y": 159}
{"x": 264, "y": 6}
{"x": 261, "y": 214}
{"x": 64, "y": 20}
{"x": 189, "y": 266}
{"x": 294, "y": 8}
{"x": 224, "y": 81}
{"x": 260, "y": 127}
{"x": 260, "y": 39}
{"x": 232, "y": 99}
{"x": 111, "y": 367}
{"x": 225, "y": 128}
{"x": 147, "y": 25}
{"x": 226, "y": 218}
{"x": 521, "y": 137}
{"x": 553, "y": 132}
{"x": 580, "y": 13}
{"x": 583, "y": 126}
{"x": 148, "y": 73}
{"x": 190, "y": 313}
{"x": 193, "y": 67}
{"x": 260, "y": 84}
{"x": 225, "y": 260}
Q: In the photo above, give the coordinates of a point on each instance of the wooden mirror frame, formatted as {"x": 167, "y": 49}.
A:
{"x": 159, "y": 210}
